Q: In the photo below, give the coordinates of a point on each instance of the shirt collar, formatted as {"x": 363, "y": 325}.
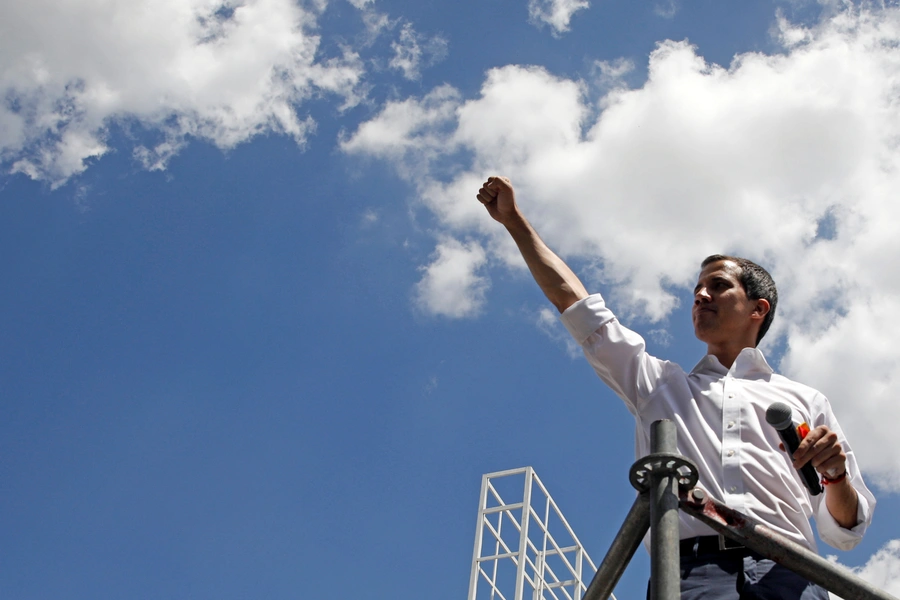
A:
{"x": 749, "y": 362}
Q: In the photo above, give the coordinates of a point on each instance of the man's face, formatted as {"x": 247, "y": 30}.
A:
{"x": 722, "y": 312}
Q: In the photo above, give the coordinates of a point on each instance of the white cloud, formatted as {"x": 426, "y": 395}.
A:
{"x": 748, "y": 159}
{"x": 882, "y": 570}
{"x": 220, "y": 70}
{"x": 450, "y": 285}
{"x": 412, "y": 51}
{"x": 369, "y": 218}
{"x": 667, "y": 9}
{"x": 410, "y": 132}
{"x": 431, "y": 385}
{"x": 661, "y": 337}
{"x": 555, "y": 13}
{"x": 376, "y": 22}
{"x": 609, "y": 73}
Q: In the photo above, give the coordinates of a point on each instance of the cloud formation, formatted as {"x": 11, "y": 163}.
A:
{"x": 555, "y": 13}
{"x": 412, "y": 51}
{"x": 790, "y": 159}
{"x": 220, "y": 70}
{"x": 450, "y": 285}
{"x": 882, "y": 570}
{"x": 665, "y": 9}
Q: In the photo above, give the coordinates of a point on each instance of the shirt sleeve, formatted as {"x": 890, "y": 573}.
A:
{"x": 829, "y": 529}
{"x": 617, "y": 354}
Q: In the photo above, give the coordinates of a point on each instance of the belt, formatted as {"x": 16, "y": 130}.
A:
{"x": 710, "y": 544}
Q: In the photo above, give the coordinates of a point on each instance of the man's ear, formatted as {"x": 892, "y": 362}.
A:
{"x": 761, "y": 309}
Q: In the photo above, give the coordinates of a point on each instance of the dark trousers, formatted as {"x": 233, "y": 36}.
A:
{"x": 739, "y": 574}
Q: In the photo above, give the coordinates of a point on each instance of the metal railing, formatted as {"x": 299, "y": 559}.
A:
{"x": 666, "y": 483}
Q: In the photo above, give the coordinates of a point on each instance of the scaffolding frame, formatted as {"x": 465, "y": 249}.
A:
{"x": 665, "y": 482}
{"x": 549, "y": 564}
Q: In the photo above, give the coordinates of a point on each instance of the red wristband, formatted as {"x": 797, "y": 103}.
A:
{"x": 838, "y": 479}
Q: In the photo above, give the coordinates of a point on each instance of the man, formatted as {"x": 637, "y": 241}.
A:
{"x": 719, "y": 411}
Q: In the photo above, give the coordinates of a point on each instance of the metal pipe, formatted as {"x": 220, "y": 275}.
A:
{"x": 665, "y": 560}
{"x": 479, "y": 533}
{"x": 763, "y": 540}
{"x": 622, "y": 549}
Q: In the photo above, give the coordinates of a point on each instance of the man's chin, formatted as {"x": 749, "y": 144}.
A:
{"x": 701, "y": 333}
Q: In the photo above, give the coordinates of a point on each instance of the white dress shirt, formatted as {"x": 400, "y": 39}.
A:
{"x": 720, "y": 418}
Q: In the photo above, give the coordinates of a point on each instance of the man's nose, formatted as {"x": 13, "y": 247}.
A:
{"x": 701, "y": 295}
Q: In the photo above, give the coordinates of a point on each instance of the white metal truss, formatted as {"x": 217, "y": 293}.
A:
{"x": 525, "y": 550}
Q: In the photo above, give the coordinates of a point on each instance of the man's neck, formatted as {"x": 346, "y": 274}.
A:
{"x": 727, "y": 353}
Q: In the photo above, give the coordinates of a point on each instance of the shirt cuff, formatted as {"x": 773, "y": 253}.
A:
{"x": 586, "y": 316}
{"x": 833, "y": 534}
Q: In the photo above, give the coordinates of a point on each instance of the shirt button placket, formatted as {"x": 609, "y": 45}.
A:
{"x": 731, "y": 441}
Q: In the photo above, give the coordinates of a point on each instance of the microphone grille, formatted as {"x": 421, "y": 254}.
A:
{"x": 778, "y": 415}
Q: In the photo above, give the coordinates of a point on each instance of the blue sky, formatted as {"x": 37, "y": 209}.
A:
{"x": 261, "y": 341}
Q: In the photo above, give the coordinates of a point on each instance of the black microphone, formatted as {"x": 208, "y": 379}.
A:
{"x": 778, "y": 416}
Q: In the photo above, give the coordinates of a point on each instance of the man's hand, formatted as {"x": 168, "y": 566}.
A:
{"x": 821, "y": 448}
{"x": 561, "y": 286}
{"x": 499, "y": 199}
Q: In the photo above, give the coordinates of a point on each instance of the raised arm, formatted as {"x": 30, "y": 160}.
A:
{"x": 561, "y": 286}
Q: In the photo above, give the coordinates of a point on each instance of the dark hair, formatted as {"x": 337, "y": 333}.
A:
{"x": 757, "y": 284}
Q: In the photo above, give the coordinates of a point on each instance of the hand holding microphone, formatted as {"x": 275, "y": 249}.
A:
{"x": 778, "y": 416}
